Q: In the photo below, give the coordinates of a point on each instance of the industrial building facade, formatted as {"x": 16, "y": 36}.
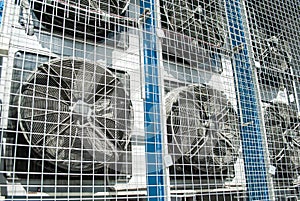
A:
{"x": 150, "y": 100}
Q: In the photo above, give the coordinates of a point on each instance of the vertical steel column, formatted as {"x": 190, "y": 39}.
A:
{"x": 153, "y": 131}
{"x": 251, "y": 135}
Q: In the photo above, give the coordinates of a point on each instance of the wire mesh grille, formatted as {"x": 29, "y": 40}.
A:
{"x": 149, "y": 99}
{"x": 80, "y": 105}
{"x": 272, "y": 28}
{"x": 201, "y": 125}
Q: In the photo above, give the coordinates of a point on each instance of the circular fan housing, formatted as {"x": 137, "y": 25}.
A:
{"x": 274, "y": 55}
{"x": 197, "y": 19}
{"x": 84, "y": 17}
{"x": 202, "y": 128}
{"x": 75, "y": 114}
{"x": 283, "y": 134}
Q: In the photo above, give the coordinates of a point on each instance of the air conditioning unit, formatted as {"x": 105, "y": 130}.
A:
{"x": 69, "y": 104}
{"x": 87, "y": 19}
{"x": 72, "y": 107}
{"x": 282, "y": 130}
{"x": 200, "y": 112}
{"x": 202, "y": 131}
{"x": 203, "y": 21}
{"x": 273, "y": 48}
{"x": 73, "y": 116}
{"x": 275, "y": 68}
{"x": 194, "y": 32}
{"x": 51, "y": 114}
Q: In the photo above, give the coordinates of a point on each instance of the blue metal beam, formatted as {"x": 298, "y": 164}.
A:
{"x": 153, "y": 132}
{"x": 1, "y": 10}
{"x": 252, "y": 143}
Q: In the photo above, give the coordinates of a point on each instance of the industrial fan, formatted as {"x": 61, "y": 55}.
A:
{"x": 275, "y": 58}
{"x": 76, "y": 114}
{"x": 202, "y": 128}
{"x": 79, "y": 16}
{"x": 201, "y": 20}
{"x": 276, "y": 53}
{"x": 283, "y": 137}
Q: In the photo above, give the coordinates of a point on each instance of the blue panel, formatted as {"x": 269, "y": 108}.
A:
{"x": 253, "y": 151}
{"x": 155, "y": 176}
{"x": 1, "y": 10}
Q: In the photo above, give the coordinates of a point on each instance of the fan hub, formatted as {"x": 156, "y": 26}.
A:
{"x": 213, "y": 125}
{"x": 81, "y": 108}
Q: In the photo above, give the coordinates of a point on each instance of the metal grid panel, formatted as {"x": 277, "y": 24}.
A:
{"x": 72, "y": 105}
{"x": 201, "y": 110}
{"x": 274, "y": 36}
{"x": 149, "y": 100}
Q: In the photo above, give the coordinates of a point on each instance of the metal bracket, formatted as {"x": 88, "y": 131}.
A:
{"x": 26, "y": 17}
{"x": 145, "y": 15}
{"x": 238, "y": 48}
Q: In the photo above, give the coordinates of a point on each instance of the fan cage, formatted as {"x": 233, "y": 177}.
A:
{"x": 85, "y": 18}
{"x": 73, "y": 110}
{"x": 282, "y": 130}
{"x": 203, "y": 21}
{"x": 202, "y": 128}
{"x": 202, "y": 65}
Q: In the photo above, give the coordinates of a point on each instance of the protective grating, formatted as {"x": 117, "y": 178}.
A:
{"x": 273, "y": 26}
{"x": 69, "y": 108}
{"x": 201, "y": 126}
{"x": 149, "y": 100}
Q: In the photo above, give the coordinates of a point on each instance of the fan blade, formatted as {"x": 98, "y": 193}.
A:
{"x": 190, "y": 20}
{"x": 78, "y": 86}
{"x": 227, "y": 141}
{"x": 63, "y": 123}
{"x": 83, "y": 79}
{"x": 117, "y": 130}
{"x": 67, "y": 149}
{"x": 30, "y": 116}
{"x": 39, "y": 90}
{"x": 296, "y": 142}
{"x": 220, "y": 115}
{"x": 186, "y": 124}
{"x": 114, "y": 111}
{"x": 92, "y": 82}
{"x": 168, "y": 17}
{"x": 59, "y": 82}
{"x": 218, "y": 149}
{"x": 197, "y": 147}
{"x": 210, "y": 143}
{"x": 103, "y": 90}
{"x": 61, "y": 134}
{"x": 99, "y": 145}
{"x": 43, "y": 111}
{"x": 273, "y": 117}
{"x": 41, "y": 85}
